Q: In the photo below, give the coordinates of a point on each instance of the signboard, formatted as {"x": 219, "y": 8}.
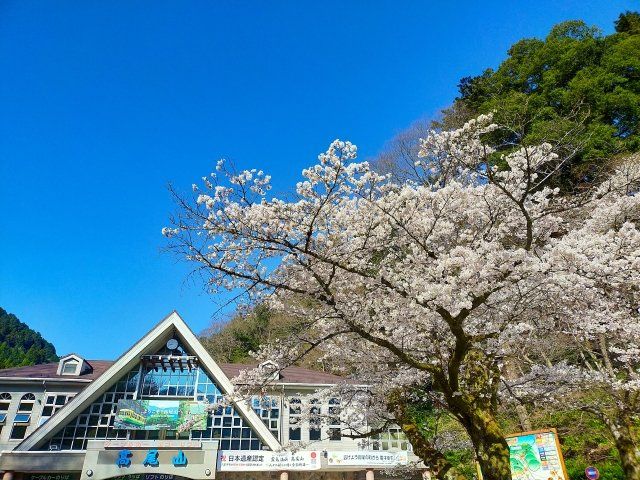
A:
{"x": 52, "y": 476}
{"x": 366, "y": 458}
{"x": 160, "y": 415}
{"x": 536, "y": 456}
{"x": 262, "y": 461}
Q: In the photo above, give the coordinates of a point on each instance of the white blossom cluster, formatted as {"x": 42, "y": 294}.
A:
{"x": 433, "y": 288}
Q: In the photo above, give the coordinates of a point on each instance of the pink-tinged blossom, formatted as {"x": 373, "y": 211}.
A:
{"x": 437, "y": 286}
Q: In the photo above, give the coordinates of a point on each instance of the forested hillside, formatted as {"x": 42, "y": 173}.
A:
{"x": 234, "y": 339}
{"x": 20, "y": 345}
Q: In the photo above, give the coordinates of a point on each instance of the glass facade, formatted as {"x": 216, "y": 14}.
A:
{"x": 166, "y": 377}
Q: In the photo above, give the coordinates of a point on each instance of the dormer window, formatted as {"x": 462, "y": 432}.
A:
{"x": 270, "y": 369}
{"x": 72, "y": 364}
{"x": 70, "y": 367}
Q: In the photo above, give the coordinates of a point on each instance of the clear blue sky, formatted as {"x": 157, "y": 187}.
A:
{"x": 103, "y": 103}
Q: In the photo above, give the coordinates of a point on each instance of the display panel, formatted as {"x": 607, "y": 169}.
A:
{"x": 536, "y": 456}
{"x": 181, "y": 415}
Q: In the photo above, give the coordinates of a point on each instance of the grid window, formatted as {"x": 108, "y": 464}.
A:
{"x": 335, "y": 429}
{"x": 393, "y": 439}
{"x": 295, "y": 420}
{"x": 158, "y": 382}
{"x": 23, "y": 418}
{"x": 96, "y": 422}
{"x": 224, "y": 423}
{"x": 53, "y": 403}
{"x": 268, "y": 409}
{"x": 5, "y": 401}
{"x": 315, "y": 419}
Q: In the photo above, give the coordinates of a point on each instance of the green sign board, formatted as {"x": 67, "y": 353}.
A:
{"x": 179, "y": 415}
{"x": 536, "y": 456}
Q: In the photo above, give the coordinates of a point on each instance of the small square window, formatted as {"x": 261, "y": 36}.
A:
{"x": 70, "y": 367}
{"x": 18, "y": 432}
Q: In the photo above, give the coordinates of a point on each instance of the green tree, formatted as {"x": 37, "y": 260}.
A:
{"x": 576, "y": 88}
{"x": 20, "y": 345}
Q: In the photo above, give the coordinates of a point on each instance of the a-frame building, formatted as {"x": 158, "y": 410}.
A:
{"x": 163, "y": 411}
{"x": 167, "y": 363}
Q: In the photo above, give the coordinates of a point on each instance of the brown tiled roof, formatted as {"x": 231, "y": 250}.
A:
{"x": 48, "y": 371}
{"x": 287, "y": 375}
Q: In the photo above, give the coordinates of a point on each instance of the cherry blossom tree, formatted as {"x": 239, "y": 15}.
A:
{"x": 420, "y": 291}
{"x": 596, "y": 292}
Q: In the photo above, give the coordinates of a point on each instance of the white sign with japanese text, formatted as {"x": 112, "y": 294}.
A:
{"x": 367, "y": 458}
{"x": 260, "y": 461}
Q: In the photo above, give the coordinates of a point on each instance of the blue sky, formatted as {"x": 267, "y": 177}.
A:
{"x": 103, "y": 103}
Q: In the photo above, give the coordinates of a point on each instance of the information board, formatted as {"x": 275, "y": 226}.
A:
{"x": 160, "y": 415}
{"x": 265, "y": 461}
{"x": 536, "y": 456}
{"x": 362, "y": 458}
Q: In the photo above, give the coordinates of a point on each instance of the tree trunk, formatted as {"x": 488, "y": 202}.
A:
{"x": 630, "y": 459}
{"x": 523, "y": 417}
{"x": 621, "y": 429}
{"x": 491, "y": 447}
{"x": 439, "y": 467}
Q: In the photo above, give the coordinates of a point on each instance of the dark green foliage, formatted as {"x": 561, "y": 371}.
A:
{"x": 628, "y": 22}
{"x": 576, "y": 88}
{"x": 21, "y": 346}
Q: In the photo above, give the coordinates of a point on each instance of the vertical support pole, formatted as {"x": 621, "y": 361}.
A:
{"x": 370, "y": 475}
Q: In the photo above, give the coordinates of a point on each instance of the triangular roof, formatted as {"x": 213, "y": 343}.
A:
{"x": 149, "y": 344}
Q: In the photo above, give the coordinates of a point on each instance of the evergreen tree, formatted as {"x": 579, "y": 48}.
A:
{"x": 577, "y": 88}
{"x": 20, "y": 345}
